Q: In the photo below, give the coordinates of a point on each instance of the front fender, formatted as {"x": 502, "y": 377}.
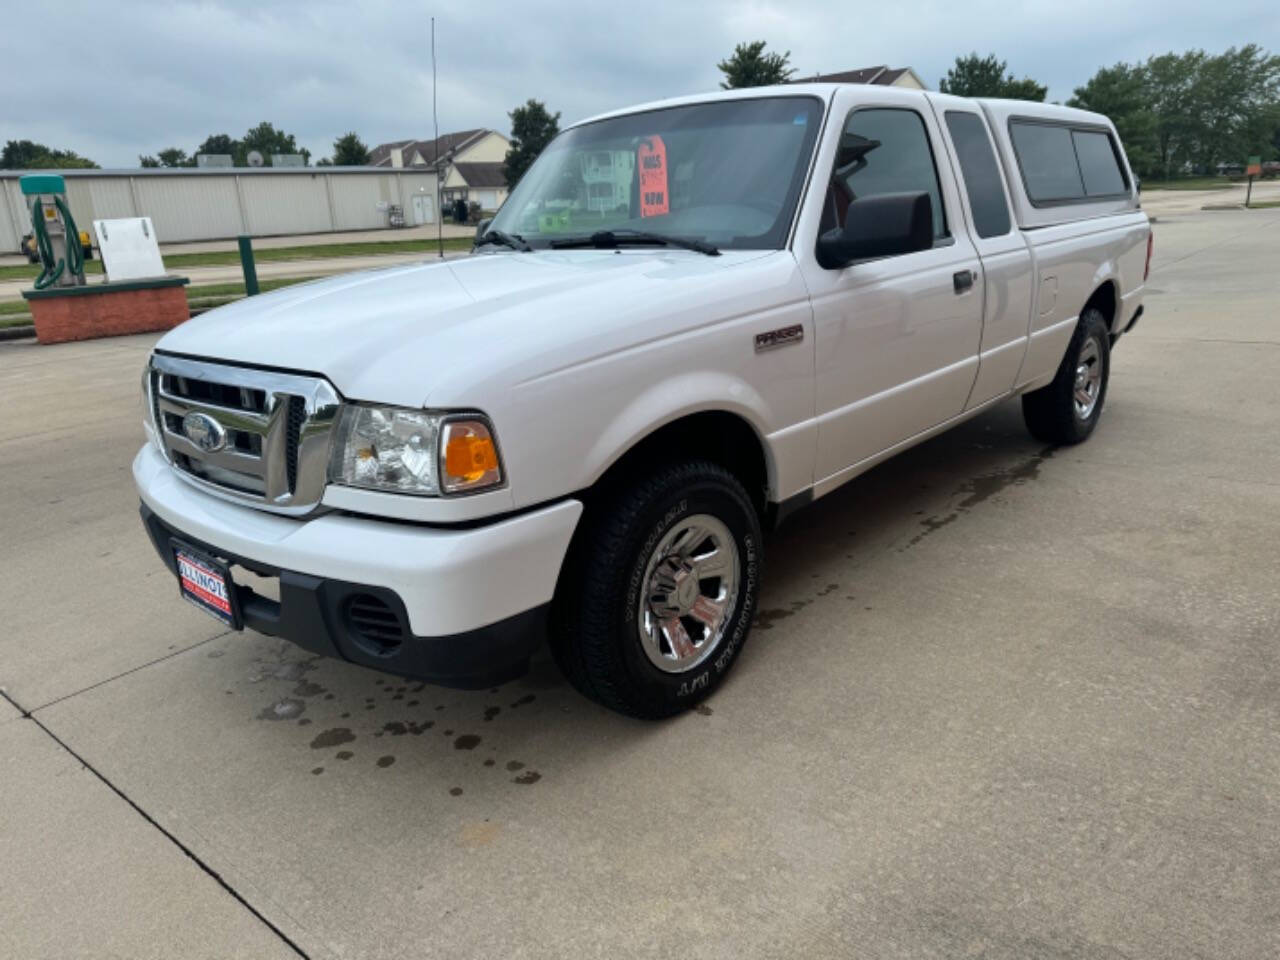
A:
{"x": 667, "y": 401}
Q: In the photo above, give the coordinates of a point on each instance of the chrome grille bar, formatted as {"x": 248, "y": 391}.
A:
{"x": 275, "y": 430}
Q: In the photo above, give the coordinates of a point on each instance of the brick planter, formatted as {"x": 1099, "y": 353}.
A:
{"x": 107, "y": 309}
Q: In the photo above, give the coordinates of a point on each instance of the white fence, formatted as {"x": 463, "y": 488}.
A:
{"x": 213, "y": 203}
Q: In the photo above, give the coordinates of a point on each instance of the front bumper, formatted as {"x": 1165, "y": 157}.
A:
{"x": 471, "y": 601}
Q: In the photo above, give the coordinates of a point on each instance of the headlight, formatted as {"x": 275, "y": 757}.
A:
{"x": 413, "y": 451}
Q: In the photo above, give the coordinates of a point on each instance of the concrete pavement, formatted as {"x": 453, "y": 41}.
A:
{"x": 1000, "y": 701}
{"x": 82, "y": 874}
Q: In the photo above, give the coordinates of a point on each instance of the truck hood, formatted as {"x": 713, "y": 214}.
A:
{"x": 439, "y": 333}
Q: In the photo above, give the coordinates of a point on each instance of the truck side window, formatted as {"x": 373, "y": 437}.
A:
{"x": 883, "y": 151}
{"x": 982, "y": 180}
{"x": 1098, "y": 164}
{"x": 1048, "y": 161}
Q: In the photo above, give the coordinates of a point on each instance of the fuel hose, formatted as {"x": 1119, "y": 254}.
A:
{"x": 51, "y": 271}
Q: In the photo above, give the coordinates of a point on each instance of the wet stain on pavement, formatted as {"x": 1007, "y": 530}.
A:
{"x": 335, "y": 737}
{"x": 468, "y": 741}
{"x": 514, "y": 765}
{"x": 526, "y": 778}
{"x": 455, "y": 791}
{"x": 978, "y": 490}
{"x": 283, "y": 710}
{"x": 703, "y": 709}
{"x": 344, "y": 755}
{"x": 317, "y": 771}
{"x": 523, "y": 701}
{"x": 398, "y": 728}
{"x": 765, "y": 619}
{"x": 386, "y": 761}
{"x": 491, "y": 712}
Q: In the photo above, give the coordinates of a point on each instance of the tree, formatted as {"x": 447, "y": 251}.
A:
{"x": 221, "y": 143}
{"x": 349, "y": 151}
{"x": 264, "y": 138}
{"x": 1235, "y": 102}
{"x": 1122, "y": 93}
{"x": 147, "y": 161}
{"x": 532, "y": 128}
{"x": 174, "y": 157}
{"x": 975, "y": 76}
{"x": 1205, "y": 109}
{"x": 750, "y": 66}
{"x": 267, "y": 140}
{"x": 28, "y": 155}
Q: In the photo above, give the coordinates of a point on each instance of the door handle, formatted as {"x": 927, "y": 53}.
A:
{"x": 962, "y": 280}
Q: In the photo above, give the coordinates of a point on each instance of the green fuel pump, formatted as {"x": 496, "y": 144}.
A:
{"x": 56, "y": 237}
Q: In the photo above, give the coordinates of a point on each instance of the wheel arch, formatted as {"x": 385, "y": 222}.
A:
{"x": 723, "y": 436}
{"x": 1106, "y": 298}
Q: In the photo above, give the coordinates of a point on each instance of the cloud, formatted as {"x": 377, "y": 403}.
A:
{"x": 134, "y": 77}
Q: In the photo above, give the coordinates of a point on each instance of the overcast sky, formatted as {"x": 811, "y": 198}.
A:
{"x": 113, "y": 80}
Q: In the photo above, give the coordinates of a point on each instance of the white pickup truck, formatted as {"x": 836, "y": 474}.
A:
{"x": 689, "y": 319}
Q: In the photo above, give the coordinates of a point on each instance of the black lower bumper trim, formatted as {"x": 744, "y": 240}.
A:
{"x": 315, "y": 613}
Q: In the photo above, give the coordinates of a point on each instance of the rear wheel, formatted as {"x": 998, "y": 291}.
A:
{"x": 658, "y": 593}
{"x": 1067, "y": 410}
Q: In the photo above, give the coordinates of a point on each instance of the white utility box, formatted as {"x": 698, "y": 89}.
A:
{"x": 129, "y": 249}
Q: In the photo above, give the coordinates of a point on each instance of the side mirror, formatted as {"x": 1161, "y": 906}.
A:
{"x": 881, "y": 226}
{"x": 483, "y": 227}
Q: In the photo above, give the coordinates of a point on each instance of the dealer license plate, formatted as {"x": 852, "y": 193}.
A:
{"x": 207, "y": 583}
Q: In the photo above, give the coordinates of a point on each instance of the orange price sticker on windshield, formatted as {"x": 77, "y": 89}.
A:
{"x": 651, "y": 158}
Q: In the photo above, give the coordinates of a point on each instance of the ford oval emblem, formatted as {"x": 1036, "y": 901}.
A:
{"x": 204, "y": 431}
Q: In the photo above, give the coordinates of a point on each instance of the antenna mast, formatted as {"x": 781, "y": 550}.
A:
{"x": 435, "y": 119}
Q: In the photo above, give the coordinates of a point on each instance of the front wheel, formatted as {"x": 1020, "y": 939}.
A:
{"x": 1067, "y": 410}
{"x": 659, "y": 591}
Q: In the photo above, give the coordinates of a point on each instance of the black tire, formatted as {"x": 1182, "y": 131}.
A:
{"x": 1051, "y": 413}
{"x": 596, "y": 623}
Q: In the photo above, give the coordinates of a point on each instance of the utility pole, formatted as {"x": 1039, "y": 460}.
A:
{"x": 435, "y": 120}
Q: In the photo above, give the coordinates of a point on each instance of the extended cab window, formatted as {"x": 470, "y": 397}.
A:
{"x": 982, "y": 180}
{"x": 883, "y": 151}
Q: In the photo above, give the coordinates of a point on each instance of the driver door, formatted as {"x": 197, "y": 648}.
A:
{"x": 897, "y": 338}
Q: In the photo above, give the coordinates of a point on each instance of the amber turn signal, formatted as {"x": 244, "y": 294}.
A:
{"x": 470, "y": 457}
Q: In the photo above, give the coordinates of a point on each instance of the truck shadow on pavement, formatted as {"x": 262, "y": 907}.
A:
{"x": 348, "y": 720}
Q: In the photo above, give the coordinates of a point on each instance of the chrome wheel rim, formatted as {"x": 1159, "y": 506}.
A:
{"x": 1088, "y": 383}
{"x": 690, "y": 587}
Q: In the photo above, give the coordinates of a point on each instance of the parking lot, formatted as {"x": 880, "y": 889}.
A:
{"x": 1001, "y": 701}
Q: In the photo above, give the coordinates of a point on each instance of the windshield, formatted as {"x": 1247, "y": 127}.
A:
{"x": 727, "y": 173}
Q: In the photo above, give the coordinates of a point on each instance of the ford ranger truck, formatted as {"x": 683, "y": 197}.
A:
{"x": 689, "y": 319}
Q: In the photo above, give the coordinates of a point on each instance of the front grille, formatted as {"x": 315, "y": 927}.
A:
{"x": 293, "y": 433}
{"x": 374, "y": 625}
{"x": 259, "y": 436}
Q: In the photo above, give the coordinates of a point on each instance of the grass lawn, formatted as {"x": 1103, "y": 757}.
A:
{"x": 220, "y": 258}
{"x": 1189, "y": 183}
{"x": 1264, "y": 205}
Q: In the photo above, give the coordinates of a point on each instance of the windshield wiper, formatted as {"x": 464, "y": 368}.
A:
{"x": 614, "y": 238}
{"x": 512, "y": 240}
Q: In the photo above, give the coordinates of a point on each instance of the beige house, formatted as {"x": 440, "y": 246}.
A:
{"x": 881, "y": 76}
{"x": 469, "y": 162}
